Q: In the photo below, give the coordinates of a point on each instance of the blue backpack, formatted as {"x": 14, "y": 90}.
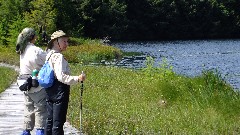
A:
{"x": 46, "y": 75}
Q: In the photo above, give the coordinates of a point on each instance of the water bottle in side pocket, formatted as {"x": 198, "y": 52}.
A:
{"x": 34, "y": 78}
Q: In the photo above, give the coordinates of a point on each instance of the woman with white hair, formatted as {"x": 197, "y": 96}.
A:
{"x": 31, "y": 58}
{"x": 58, "y": 94}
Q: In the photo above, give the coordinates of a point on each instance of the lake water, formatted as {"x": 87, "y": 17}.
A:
{"x": 189, "y": 58}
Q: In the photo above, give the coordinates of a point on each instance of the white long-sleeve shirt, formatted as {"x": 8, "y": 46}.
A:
{"x": 32, "y": 58}
{"x": 61, "y": 68}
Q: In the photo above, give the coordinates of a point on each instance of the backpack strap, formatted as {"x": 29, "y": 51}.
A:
{"x": 51, "y": 55}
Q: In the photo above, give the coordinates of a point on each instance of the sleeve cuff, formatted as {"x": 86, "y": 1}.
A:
{"x": 76, "y": 78}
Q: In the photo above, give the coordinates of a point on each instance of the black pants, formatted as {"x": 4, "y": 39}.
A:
{"x": 57, "y": 105}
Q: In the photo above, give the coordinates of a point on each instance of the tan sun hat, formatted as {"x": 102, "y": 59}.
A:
{"x": 55, "y": 35}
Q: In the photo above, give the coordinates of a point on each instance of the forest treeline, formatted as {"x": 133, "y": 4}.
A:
{"x": 122, "y": 19}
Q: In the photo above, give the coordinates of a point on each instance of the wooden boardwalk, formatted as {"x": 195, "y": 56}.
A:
{"x": 11, "y": 113}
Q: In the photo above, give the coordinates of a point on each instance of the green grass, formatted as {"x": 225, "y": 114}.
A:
{"x": 91, "y": 51}
{"x": 8, "y": 55}
{"x": 8, "y": 76}
{"x": 154, "y": 101}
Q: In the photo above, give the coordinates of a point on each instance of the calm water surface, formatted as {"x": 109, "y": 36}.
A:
{"x": 190, "y": 57}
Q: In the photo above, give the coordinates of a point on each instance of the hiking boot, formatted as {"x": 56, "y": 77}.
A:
{"x": 40, "y": 132}
{"x": 26, "y": 132}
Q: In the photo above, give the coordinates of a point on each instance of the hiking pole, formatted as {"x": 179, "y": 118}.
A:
{"x": 81, "y": 105}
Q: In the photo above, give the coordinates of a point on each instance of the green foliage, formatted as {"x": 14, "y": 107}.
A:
{"x": 15, "y": 27}
{"x": 124, "y": 19}
{"x": 213, "y": 80}
{"x": 42, "y": 14}
{"x": 76, "y": 41}
{"x": 139, "y": 15}
{"x": 132, "y": 53}
{"x": 109, "y": 15}
{"x": 3, "y": 32}
{"x": 91, "y": 51}
{"x": 68, "y": 18}
{"x": 9, "y": 9}
{"x": 164, "y": 70}
{"x": 123, "y": 101}
{"x": 8, "y": 76}
{"x": 10, "y": 16}
{"x": 8, "y": 55}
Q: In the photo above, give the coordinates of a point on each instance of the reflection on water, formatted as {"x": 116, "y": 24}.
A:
{"x": 134, "y": 62}
{"x": 190, "y": 57}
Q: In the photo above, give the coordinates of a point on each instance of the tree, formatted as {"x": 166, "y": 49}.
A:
{"x": 10, "y": 11}
{"x": 15, "y": 27}
{"x": 164, "y": 18}
{"x": 67, "y": 18}
{"x": 42, "y": 16}
{"x": 139, "y": 16}
{"x": 103, "y": 18}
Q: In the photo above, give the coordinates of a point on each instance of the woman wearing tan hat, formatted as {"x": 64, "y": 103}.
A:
{"x": 58, "y": 94}
{"x": 31, "y": 57}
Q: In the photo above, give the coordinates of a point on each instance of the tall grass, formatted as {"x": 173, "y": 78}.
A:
{"x": 8, "y": 55}
{"x": 7, "y": 77}
{"x": 91, "y": 51}
{"x": 154, "y": 101}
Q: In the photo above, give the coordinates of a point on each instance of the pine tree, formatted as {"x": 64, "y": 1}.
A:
{"x": 42, "y": 16}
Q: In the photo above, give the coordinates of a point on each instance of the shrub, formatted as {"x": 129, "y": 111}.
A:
{"x": 76, "y": 41}
{"x": 91, "y": 52}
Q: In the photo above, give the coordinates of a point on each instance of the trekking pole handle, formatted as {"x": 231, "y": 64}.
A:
{"x": 82, "y": 81}
{"x": 82, "y": 75}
